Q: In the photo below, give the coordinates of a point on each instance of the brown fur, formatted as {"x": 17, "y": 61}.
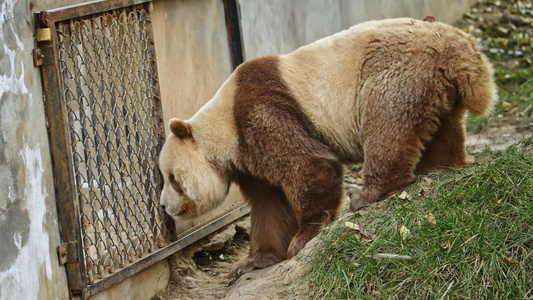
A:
{"x": 180, "y": 129}
{"x": 268, "y": 244}
{"x": 301, "y": 169}
{"x": 393, "y": 93}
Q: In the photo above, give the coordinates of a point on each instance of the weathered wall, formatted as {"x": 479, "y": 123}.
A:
{"x": 29, "y": 234}
{"x": 192, "y": 48}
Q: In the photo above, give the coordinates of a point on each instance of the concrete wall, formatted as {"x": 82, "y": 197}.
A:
{"x": 281, "y": 26}
{"x": 190, "y": 37}
{"x": 193, "y": 62}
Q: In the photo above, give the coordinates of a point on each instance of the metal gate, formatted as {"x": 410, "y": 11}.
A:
{"x": 105, "y": 125}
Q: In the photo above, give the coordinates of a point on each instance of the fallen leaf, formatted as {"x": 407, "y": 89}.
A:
{"x": 366, "y": 235}
{"x": 470, "y": 159}
{"x": 512, "y": 260}
{"x": 431, "y": 219}
{"x": 404, "y": 196}
{"x": 506, "y": 105}
{"x": 528, "y": 108}
{"x": 448, "y": 243}
{"x": 502, "y": 30}
{"x": 351, "y": 225}
{"x": 405, "y": 233}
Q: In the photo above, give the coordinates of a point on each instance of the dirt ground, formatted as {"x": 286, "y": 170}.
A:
{"x": 200, "y": 271}
{"x": 496, "y": 138}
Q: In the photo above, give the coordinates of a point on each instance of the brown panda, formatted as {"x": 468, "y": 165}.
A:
{"x": 391, "y": 93}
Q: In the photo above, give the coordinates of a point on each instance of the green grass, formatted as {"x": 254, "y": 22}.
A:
{"x": 469, "y": 234}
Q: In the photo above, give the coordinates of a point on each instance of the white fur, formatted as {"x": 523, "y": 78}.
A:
{"x": 216, "y": 139}
{"x": 214, "y": 126}
{"x": 324, "y": 78}
{"x": 203, "y": 188}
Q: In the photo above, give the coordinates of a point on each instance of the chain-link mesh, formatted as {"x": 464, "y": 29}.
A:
{"x": 108, "y": 83}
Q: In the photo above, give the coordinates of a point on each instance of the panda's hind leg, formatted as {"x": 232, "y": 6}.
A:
{"x": 446, "y": 149}
{"x": 315, "y": 198}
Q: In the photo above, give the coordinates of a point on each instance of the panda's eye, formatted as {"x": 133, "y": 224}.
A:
{"x": 175, "y": 185}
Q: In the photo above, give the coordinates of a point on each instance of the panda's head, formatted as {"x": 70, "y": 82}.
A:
{"x": 193, "y": 183}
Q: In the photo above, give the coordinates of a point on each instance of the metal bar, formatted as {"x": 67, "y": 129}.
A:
{"x": 157, "y": 92}
{"x": 168, "y": 233}
{"x": 233, "y": 26}
{"x": 51, "y": 16}
{"x": 68, "y": 211}
{"x": 167, "y": 251}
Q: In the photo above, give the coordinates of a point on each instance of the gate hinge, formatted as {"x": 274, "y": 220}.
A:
{"x": 68, "y": 252}
{"x": 43, "y": 56}
{"x": 37, "y": 57}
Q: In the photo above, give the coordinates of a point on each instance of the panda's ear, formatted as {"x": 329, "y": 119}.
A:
{"x": 180, "y": 129}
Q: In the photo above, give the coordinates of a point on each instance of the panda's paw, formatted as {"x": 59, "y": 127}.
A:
{"x": 298, "y": 243}
{"x": 242, "y": 268}
{"x": 260, "y": 261}
{"x": 358, "y": 203}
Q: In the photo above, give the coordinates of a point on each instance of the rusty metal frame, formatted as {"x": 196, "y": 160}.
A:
{"x": 45, "y": 56}
{"x": 233, "y": 26}
{"x": 205, "y": 229}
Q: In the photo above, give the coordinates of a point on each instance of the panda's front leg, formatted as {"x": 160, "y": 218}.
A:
{"x": 273, "y": 225}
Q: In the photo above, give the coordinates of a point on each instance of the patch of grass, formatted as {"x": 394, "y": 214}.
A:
{"x": 515, "y": 105}
{"x": 469, "y": 233}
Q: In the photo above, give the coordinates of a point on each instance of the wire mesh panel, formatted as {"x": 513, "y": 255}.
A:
{"x": 104, "y": 122}
{"x": 108, "y": 84}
